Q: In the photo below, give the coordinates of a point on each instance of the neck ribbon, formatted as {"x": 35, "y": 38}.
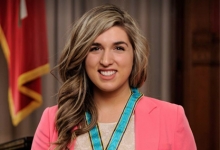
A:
{"x": 117, "y": 135}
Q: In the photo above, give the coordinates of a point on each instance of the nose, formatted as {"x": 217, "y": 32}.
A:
{"x": 106, "y": 58}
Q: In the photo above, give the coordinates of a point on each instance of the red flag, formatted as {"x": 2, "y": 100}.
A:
{"x": 24, "y": 43}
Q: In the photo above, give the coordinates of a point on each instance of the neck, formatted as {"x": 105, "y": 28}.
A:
{"x": 111, "y": 104}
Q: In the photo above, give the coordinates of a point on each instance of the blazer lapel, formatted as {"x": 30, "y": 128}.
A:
{"x": 147, "y": 123}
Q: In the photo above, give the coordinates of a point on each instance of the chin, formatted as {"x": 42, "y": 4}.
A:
{"x": 106, "y": 88}
{"x": 110, "y": 88}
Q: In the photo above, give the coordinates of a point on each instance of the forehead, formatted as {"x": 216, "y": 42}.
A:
{"x": 113, "y": 34}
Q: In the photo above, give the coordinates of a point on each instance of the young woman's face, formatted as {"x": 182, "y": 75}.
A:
{"x": 109, "y": 62}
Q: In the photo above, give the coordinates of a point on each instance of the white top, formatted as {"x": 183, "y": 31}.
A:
{"x": 106, "y": 129}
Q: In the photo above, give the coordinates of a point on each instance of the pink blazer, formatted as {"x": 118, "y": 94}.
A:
{"x": 159, "y": 125}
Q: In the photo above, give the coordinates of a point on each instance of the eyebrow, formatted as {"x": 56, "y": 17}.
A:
{"x": 115, "y": 43}
{"x": 120, "y": 42}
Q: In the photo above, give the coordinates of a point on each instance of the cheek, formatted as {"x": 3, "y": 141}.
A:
{"x": 87, "y": 64}
{"x": 129, "y": 61}
{"x": 88, "y": 59}
{"x": 90, "y": 64}
{"x": 131, "y": 64}
{"x": 126, "y": 64}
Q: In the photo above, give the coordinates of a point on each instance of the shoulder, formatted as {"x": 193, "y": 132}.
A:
{"x": 166, "y": 111}
{"x": 167, "y": 118}
{"x": 48, "y": 117}
{"x": 51, "y": 110}
{"x": 149, "y": 104}
{"x": 49, "y": 114}
{"x": 46, "y": 131}
{"x": 169, "y": 114}
{"x": 153, "y": 116}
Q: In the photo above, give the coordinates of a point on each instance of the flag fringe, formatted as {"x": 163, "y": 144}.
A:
{"x": 19, "y": 116}
{"x": 4, "y": 44}
{"x": 26, "y": 77}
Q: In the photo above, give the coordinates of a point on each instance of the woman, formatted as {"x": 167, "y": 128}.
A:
{"x": 99, "y": 105}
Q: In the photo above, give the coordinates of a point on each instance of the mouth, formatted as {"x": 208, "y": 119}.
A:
{"x": 107, "y": 73}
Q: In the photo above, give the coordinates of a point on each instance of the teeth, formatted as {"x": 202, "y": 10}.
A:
{"x": 107, "y": 73}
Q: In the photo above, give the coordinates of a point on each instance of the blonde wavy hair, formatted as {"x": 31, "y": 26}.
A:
{"x": 75, "y": 96}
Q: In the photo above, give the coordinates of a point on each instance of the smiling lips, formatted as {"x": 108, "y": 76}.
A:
{"x": 107, "y": 72}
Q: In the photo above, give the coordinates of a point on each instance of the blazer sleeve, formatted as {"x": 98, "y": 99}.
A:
{"x": 41, "y": 139}
{"x": 183, "y": 137}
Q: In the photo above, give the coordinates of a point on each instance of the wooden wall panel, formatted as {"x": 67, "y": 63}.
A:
{"x": 200, "y": 69}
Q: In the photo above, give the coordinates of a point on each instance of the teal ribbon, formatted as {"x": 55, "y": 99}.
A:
{"x": 117, "y": 135}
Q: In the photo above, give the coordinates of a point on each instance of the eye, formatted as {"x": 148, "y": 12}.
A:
{"x": 94, "y": 48}
{"x": 119, "y": 48}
